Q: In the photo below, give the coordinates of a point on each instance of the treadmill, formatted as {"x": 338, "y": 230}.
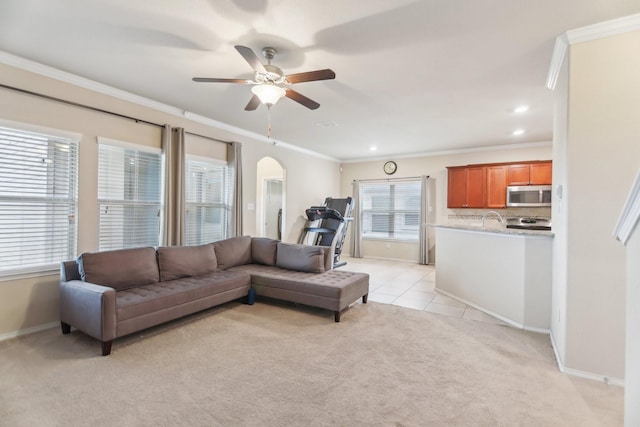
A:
{"x": 327, "y": 226}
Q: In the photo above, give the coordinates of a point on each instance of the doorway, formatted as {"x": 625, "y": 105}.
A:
{"x": 272, "y": 210}
{"x": 270, "y": 195}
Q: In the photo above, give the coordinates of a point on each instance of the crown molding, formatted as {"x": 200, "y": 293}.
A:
{"x": 256, "y": 136}
{"x": 600, "y": 30}
{"x": 630, "y": 215}
{"x": 66, "y": 77}
{"x": 557, "y": 58}
{"x": 450, "y": 152}
{"x": 604, "y": 29}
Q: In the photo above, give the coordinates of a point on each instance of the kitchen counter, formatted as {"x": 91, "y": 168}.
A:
{"x": 493, "y": 228}
{"x": 503, "y": 272}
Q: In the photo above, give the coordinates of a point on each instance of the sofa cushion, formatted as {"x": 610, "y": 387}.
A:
{"x": 120, "y": 269}
{"x": 305, "y": 258}
{"x": 161, "y": 296}
{"x": 175, "y": 262}
{"x": 332, "y": 290}
{"x": 263, "y": 250}
{"x": 233, "y": 251}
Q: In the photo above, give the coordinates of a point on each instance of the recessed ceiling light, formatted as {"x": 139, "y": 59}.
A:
{"x": 327, "y": 124}
{"x": 521, "y": 109}
{"x": 373, "y": 148}
{"x": 518, "y": 132}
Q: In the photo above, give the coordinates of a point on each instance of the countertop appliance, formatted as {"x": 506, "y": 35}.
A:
{"x": 529, "y": 223}
{"x": 529, "y": 195}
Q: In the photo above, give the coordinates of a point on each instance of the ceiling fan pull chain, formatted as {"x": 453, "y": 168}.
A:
{"x": 268, "y": 122}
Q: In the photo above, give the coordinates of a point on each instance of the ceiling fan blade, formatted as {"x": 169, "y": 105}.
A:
{"x": 310, "y": 76}
{"x": 251, "y": 58}
{"x": 215, "y": 80}
{"x": 299, "y": 98}
{"x": 254, "y": 102}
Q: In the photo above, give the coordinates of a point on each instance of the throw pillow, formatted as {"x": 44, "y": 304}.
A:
{"x": 263, "y": 250}
{"x": 120, "y": 269}
{"x": 233, "y": 251}
{"x": 305, "y": 258}
{"x": 176, "y": 262}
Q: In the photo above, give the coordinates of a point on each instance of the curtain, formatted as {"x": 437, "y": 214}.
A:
{"x": 424, "y": 215}
{"x": 357, "y": 219}
{"x": 234, "y": 160}
{"x": 173, "y": 148}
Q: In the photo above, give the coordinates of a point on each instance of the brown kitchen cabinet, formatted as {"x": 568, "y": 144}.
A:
{"x": 496, "y": 186}
{"x": 457, "y": 188}
{"x": 540, "y": 173}
{"x": 518, "y": 174}
{"x": 467, "y": 187}
{"x": 485, "y": 185}
{"x": 529, "y": 174}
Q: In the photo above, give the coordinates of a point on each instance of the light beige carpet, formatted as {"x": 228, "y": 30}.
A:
{"x": 274, "y": 364}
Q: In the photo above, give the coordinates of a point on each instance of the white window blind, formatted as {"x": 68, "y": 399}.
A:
{"x": 207, "y": 201}
{"x": 390, "y": 210}
{"x": 129, "y": 196}
{"x": 38, "y": 200}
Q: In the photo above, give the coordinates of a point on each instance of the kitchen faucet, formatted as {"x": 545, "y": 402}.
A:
{"x": 500, "y": 219}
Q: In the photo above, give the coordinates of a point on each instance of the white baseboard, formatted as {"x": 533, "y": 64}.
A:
{"x": 496, "y": 315}
{"x": 582, "y": 374}
{"x": 594, "y": 377}
{"x": 412, "y": 261}
{"x": 28, "y": 331}
{"x": 559, "y": 361}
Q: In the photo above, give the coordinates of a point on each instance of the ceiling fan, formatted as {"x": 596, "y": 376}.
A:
{"x": 269, "y": 80}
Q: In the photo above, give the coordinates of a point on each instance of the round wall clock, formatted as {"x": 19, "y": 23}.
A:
{"x": 390, "y": 167}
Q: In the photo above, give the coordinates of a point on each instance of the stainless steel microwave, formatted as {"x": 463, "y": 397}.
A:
{"x": 529, "y": 195}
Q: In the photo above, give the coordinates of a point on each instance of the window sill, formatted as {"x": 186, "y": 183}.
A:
{"x": 386, "y": 239}
{"x": 19, "y": 274}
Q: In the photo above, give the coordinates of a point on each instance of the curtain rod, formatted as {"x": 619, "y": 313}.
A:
{"x": 208, "y": 137}
{"x": 100, "y": 110}
{"x": 77, "y": 104}
{"x": 391, "y": 179}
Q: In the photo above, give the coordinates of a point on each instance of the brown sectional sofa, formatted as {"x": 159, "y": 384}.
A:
{"x": 114, "y": 293}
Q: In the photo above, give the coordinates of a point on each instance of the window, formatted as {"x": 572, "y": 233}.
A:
{"x": 390, "y": 210}
{"x": 129, "y": 195}
{"x": 207, "y": 201}
{"x": 38, "y": 199}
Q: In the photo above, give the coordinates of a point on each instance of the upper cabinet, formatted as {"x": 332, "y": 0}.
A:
{"x": 540, "y": 173}
{"x": 518, "y": 175}
{"x": 529, "y": 174}
{"x": 496, "y": 186}
{"x": 467, "y": 187}
{"x": 485, "y": 186}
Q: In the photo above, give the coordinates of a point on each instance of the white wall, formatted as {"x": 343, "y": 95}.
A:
{"x": 632, "y": 371}
{"x": 559, "y": 215}
{"x": 436, "y": 167}
{"x": 602, "y": 156}
{"x": 32, "y": 302}
{"x": 308, "y": 182}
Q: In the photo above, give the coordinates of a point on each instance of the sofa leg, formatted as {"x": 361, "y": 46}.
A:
{"x": 336, "y": 316}
{"x": 364, "y": 298}
{"x": 106, "y": 347}
{"x": 66, "y": 328}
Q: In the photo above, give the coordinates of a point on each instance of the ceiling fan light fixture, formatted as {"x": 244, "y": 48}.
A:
{"x": 268, "y": 93}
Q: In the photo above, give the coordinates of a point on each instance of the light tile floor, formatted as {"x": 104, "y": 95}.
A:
{"x": 413, "y": 286}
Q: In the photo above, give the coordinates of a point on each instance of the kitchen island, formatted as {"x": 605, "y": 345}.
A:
{"x": 503, "y": 272}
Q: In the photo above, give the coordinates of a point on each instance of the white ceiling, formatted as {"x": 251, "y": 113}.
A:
{"x": 412, "y": 76}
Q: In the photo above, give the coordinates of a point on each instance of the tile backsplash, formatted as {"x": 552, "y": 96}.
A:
{"x": 467, "y": 216}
